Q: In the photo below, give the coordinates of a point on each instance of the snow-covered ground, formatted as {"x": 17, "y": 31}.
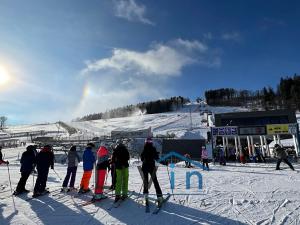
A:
{"x": 234, "y": 194}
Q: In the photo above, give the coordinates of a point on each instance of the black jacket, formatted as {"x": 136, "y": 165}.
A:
{"x": 149, "y": 155}
{"x": 120, "y": 157}
{"x": 45, "y": 159}
{"x": 27, "y": 161}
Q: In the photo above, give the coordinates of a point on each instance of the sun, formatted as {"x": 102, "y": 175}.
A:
{"x": 4, "y": 75}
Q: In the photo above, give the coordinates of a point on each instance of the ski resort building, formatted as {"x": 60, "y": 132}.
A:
{"x": 245, "y": 129}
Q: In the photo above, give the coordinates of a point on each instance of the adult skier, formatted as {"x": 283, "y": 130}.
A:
{"x": 120, "y": 159}
{"x": 73, "y": 160}
{"x": 102, "y": 166}
{"x": 88, "y": 159}
{"x": 28, "y": 161}
{"x": 148, "y": 157}
{"x": 44, "y": 160}
{"x": 1, "y": 158}
{"x": 281, "y": 156}
{"x": 113, "y": 173}
{"x": 204, "y": 156}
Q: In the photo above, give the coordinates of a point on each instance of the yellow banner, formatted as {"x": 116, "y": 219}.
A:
{"x": 278, "y": 129}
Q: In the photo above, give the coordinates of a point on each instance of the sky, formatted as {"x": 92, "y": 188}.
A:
{"x": 62, "y": 59}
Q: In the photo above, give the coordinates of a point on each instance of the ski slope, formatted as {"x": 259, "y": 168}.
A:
{"x": 234, "y": 194}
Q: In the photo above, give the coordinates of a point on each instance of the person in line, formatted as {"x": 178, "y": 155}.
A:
{"x": 113, "y": 173}
{"x": 222, "y": 156}
{"x": 88, "y": 159}
{"x": 1, "y": 158}
{"x": 102, "y": 166}
{"x": 281, "y": 155}
{"x": 28, "y": 161}
{"x": 204, "y": 156}
{"x": 148, "y": 157}
{"x": 120, "y": 158}
{"x": 73, "y": 160}
{"x": 44, "y": 160}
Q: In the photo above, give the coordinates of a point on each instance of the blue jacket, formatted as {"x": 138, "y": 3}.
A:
{"x": 88, "y": 159}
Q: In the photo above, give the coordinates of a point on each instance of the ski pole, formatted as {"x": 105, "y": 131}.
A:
{"x": 57, "y": 174}
{"x": 11, "y": 187}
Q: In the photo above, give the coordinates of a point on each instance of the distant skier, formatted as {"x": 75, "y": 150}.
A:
{"x": 148, "y": 157}
{"x": 28, "y": 161}
{"x": 88, "y": 159}
{"x": 1, "y": 158}
{"x": 120, "y": 158}
{"x": 204, "y": 156}
{"x": 259, "y": 157}
{"x": 222, "y": 156}
{"x": 243, "y": 155}
{"x": 187, "y": 162}
{"x": 102, "y": 166}
{"x": 73, "y": 160}
{"x": 281, "y": 156}
{"x": 44, "y": 160}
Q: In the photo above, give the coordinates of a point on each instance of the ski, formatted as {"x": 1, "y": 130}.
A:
{"x": 118, "y": 203}
{"x": 158, "y": 208}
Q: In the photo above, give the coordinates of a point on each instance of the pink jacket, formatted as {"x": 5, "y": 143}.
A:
{"x": 204, "y": 154}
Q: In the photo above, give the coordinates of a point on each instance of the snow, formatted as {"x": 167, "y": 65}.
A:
{"x": 232, "y": 194}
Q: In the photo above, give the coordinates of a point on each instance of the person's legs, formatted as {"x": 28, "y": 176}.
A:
{"x": 100, "y": 181}
{"x": 86, "y": 180}
{"x": 125, "y": 175}
{"x": 146, "y": 180}
{"x": 118, "y": 182}
{"x": 67, "y": 177}
{"x": 73, "y": 176}
{"x": 278, "y": 164}
{"x": 155, "y": 182}
{"x": 22, "y": 182}
{"x": 44, "y": 180}
{"x": 38, "y": 182}
{"x": 290, "y": 165}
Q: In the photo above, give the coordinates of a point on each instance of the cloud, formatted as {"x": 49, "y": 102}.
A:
{"x": 161, "y": 59}
{"x": 130, "y": 10}
{"x": 128, "y": 76}
{"x": 231, "y": 36}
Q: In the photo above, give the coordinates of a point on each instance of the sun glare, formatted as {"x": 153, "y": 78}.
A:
{"x": 4, "y": 75}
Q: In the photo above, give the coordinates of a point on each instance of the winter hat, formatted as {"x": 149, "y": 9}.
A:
{"x": 90, "y": 145}
{"x": 30, "y": 148}
{"x": 149, "y": 140}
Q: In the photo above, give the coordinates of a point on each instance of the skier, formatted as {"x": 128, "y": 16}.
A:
{"x": 204, "y": 156}
{"x": 88, "y": 159}
{"x": 148, "y": 157}
{"x": 120, "y": 158}
{"x": 222, "y": 156}
{"x": 281, "y": 156}
{"x": 28, "y": 161}
{"x": 243, "y": 155}
{"x": 73, "y": 160}
{"x": 187, "y": 162}
{"x": 44, "y": 160}
{"x": 102, "y": 166}
{"x": 1, "y": 158}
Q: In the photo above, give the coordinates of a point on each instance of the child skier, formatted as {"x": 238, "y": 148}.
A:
{"x": 44, "y": 160}
{"x": 28, "y": 161}
{"x": 88, "y": 159}
{"x": 120, "y": 158}
{"x": 73, "y": 160}
{"x": 204, "y": 156}
{"x": 102, "y": 166}
{"x": 148, "y": 157}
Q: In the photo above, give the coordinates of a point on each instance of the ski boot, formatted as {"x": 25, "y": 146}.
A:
{"x": 98, "y": 197}
{"x": 64, "y": 189}
{"x": 160, "y": 201}
{"x": 117, "y": 198}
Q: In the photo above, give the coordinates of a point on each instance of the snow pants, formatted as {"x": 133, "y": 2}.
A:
{"x": 22, "y": 181}
{"x": 85, "y": 180}
{"x": 71, "y": 172}
{"x": 122, "y": 181}
{"x": 152, "y": 171}
{"x": 41, "y": 180}
{"x": 284, "y": 160}
{"x": 100, "y": 179}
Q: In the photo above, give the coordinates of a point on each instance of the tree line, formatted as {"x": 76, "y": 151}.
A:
{"x": 286, "y": 95}
{"x": 151, "y": 107}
